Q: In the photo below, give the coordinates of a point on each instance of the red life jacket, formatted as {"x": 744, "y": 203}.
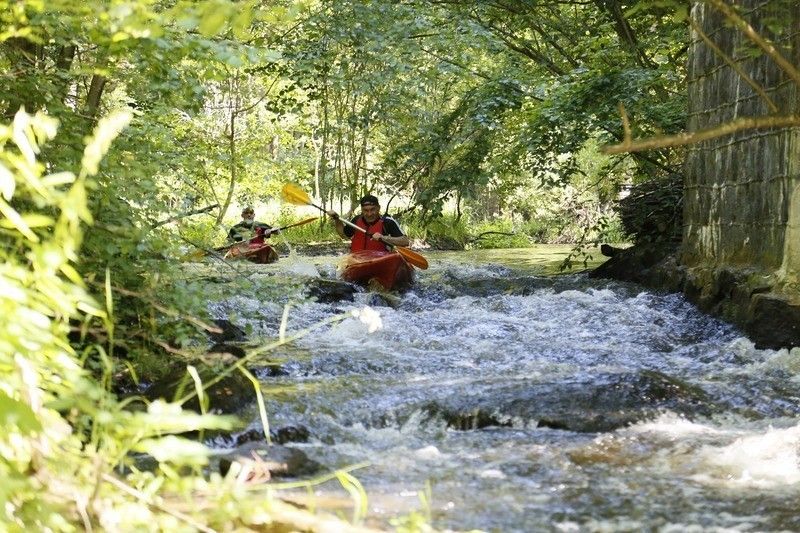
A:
{"x": 362, "y": 241}
{"x": 259, "y": 238}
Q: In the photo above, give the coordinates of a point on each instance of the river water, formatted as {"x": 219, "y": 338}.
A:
{"x": 497, "y": 395}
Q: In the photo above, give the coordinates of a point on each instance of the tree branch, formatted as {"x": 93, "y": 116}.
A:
{"x": 184, "y": 215}
{"x": 682, "y": 139}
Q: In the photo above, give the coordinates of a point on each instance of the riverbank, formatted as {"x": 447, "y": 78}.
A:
{"x": 764, "y": 307}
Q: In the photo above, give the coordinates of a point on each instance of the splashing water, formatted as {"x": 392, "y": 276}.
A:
{"x": 533, "y": 402}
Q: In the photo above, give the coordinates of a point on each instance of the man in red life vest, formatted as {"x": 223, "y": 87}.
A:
{"x": 381, "y": 229}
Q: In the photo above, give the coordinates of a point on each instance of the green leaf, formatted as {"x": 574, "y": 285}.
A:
{"x": 175, "y": 449}
{"x": 7, "y": 183}
{"x": 16, "y": 414}
{"x": 32, "y": 220}
{"x": 242, "y": 21}
{"x": 213, "y": 19}
{"x": 16, "y": 221}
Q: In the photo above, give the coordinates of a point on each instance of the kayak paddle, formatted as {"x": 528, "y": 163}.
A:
{"x": 294, "y": 194}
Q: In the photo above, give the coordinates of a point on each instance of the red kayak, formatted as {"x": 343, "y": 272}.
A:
{"x": 389, "y": 269}
{"x": 255, "y": 252}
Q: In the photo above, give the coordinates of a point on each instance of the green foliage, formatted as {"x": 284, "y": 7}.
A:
{"x": 653, "y": 211}
{"x": 498, "y": 233}
{"x": 447, "y": 232}
{"x": 449, "y": 108}
{"x": 61, "y": 431}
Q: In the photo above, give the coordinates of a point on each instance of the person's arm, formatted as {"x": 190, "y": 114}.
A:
{"x": 396, "y": 241}
{"x": 340, "y": 227}
{"x": 392, "y": 233}
{"x": 266, "y": 229}
{"x": 234, "y": 235}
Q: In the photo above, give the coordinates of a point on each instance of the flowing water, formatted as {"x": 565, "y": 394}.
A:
{"x": 498, "y": 396}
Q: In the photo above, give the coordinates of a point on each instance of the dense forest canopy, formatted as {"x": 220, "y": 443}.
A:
{"x": 484, "y": 105}
{"x": 120, "y": 115}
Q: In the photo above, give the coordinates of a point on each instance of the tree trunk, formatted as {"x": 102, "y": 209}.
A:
{"x": 22, "y": 54}
{"x": 95, "y": 93}
{"x": 232, "y": 152}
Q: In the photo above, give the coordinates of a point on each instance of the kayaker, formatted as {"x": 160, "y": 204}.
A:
{"x": 381, "y": 229}
{"x": 250, "y": 229}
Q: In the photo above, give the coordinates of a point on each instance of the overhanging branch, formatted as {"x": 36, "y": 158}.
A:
{"x": 682, "y": 139}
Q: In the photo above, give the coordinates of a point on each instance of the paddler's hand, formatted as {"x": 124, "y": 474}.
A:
{"x": 377, "y": 237}
{"x": 333, "y": 214}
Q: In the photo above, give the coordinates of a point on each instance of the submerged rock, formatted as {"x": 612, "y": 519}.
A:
{"x": 330, "y": 291}
{"x": 270, "y": 461}
{"x": 230, "y": 332}
{"x": 281, "y": 435}
{"x": 230, "y": 349}
{"x": 601, "y": 403}
{"x": 228, "y": 396}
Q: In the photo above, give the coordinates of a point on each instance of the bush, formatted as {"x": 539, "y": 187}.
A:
{"x": 66, "y": 441}
{"x": 653, "y": 211}
{"x": 499, "y": 233}
{"x": 442, "y": 233}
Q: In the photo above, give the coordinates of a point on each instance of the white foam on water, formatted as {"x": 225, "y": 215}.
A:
{"x": 301, "y": 268}
{"x": 428, "y": 452}
{"x": 786, "y": 360}
{"x": 351, "y": 332}
{"x": 673, "y": 426}
{"x": 492, "y": 473}
{"x": 767, "y": 459}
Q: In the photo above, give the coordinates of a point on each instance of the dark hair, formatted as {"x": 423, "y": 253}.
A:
{"x": 369, "y": 200}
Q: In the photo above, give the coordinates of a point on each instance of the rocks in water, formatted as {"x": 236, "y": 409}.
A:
{"x": 278, "y": 436}
{"x": 601, "y": 403}
{"x": 230, "y": 395}
{"x": 608, "y": 250}
{"x": 383, "y": 299}
{"x": 230, "y": 332}
{"x": 265, "y": 461}
{"x": 773, "y": 321}
{"x": 648, "y": 264}
{"x": 231, "y": 349}
{"x": 330, "y": 291}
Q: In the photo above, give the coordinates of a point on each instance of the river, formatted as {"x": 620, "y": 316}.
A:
{"x": 498, "y": 395}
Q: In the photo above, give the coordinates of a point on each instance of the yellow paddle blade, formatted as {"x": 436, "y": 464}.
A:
{"x": 302, "y": 222}
{"x": 413, "y": 257}
{"x": 295, "y": 195}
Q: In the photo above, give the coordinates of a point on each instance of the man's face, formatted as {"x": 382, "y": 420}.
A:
{"x": 370, "y": 212}
{"x": 247, "y": 215}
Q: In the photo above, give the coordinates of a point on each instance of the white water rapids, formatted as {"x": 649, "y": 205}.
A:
{"x": 512, "y": 400}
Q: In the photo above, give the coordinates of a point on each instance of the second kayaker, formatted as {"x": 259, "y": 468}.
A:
{"x": 380, "y": 229}
{"x": 250, "y": 229}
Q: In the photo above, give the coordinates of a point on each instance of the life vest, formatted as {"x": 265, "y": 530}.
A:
{"x": 260, "y": 235}
{"x": 362, "y": 241}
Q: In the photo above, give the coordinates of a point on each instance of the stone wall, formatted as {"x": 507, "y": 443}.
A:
{"x": 741, "y": 191}
{"x": 741, "y": 234}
